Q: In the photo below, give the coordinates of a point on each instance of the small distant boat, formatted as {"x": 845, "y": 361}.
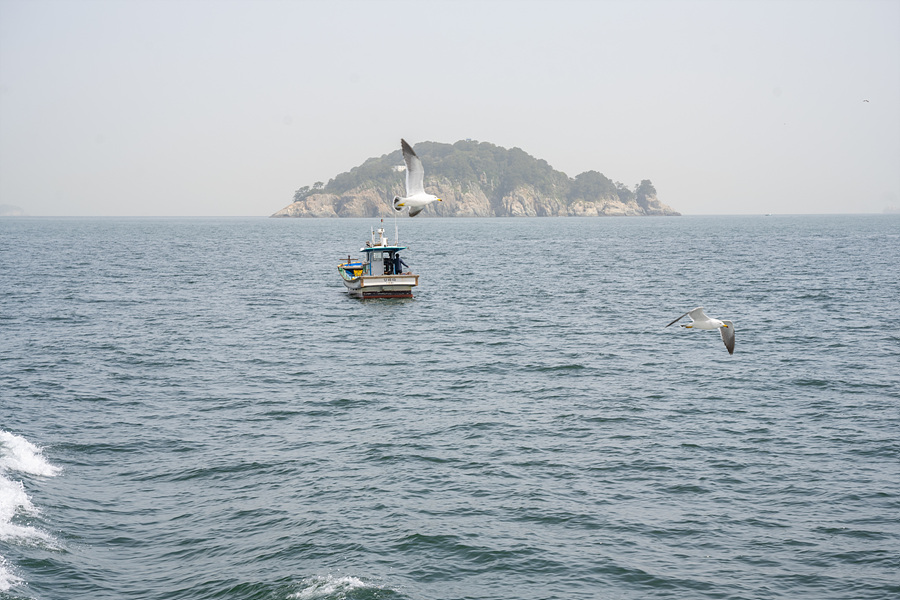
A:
{"x": 380, "y": 274}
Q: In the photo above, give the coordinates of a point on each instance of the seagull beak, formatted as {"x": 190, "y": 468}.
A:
{"x": 439, "y": 200}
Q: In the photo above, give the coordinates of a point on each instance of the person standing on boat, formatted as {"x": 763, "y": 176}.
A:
{"x": 399, "y": 264}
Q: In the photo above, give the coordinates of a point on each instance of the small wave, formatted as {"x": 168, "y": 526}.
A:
{"x": 818, "y": 383}
{"x": 559, "y": 368}
{"x": 330, "y": 587}
{"x": 18, "y": 454}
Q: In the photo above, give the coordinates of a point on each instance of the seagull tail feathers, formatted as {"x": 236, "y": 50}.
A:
{"x": 396, "y": 204}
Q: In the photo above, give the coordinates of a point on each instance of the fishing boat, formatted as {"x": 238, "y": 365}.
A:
{"x": 380, "y": 273}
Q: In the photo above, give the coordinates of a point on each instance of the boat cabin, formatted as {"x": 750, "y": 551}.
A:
{"x": 384, "y": 260}
{"x": 381, "y": 259}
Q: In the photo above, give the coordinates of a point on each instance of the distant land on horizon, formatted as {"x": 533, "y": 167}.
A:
{"x": 475, "y": 179}
{"x": 9, "y": 210}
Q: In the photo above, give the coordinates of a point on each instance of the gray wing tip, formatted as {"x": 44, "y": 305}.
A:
{"x": 679, "y": 318}
{"x": 407, "y": 149}
{"x": 728, "y": 336}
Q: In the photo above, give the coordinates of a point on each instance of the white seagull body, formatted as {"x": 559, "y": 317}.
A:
{"x": 416, "y": 198}
{"x": 700, "y": 320}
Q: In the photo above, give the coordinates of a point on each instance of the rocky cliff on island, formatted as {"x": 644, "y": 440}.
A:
{"x": 476, "y": 180}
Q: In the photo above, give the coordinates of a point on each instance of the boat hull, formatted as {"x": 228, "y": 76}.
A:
{"x": 381, "y": 286}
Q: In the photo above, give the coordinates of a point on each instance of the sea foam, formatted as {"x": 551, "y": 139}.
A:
{"x": 18, "y": 455}
{"x": 315, "y": 588}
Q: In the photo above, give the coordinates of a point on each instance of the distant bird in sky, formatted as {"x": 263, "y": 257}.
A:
{"x": 865, "y": 100}
{"x": 416, "y": 198}
{"x": 699, "y": 320}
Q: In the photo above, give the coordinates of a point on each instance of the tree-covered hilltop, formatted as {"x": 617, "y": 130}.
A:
{"x": 475, "y": 179}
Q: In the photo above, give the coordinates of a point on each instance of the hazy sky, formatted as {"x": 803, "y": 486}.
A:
{"x": 225, "y": 108}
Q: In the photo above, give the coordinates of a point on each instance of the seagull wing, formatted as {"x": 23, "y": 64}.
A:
{"x": 690, "y": 312}
{"x": 414, "y": 210}
{"x": 698, "y": 315}
{"x": 728, "y": 336}
{"x": 678, "y": 319}
{"x": 415, "y": 173}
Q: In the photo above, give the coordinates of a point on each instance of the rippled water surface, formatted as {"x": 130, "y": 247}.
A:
{"x": 194, "y": 409}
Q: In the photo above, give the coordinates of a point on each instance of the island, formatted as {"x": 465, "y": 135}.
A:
{"x": 8, "y": 210}
{"x": 476, "y": 179}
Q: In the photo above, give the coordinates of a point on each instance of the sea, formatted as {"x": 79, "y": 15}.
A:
{"x": 194, "y": 408}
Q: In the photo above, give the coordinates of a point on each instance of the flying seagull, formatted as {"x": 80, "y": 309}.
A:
{"x": 699, "y": 320}
{"x": 416, "y": 198}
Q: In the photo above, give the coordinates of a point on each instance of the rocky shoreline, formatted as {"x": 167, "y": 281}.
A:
{"x": 523, "y": 201}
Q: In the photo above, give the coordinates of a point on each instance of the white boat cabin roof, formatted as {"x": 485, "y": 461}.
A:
{"x": 385, "y": 248}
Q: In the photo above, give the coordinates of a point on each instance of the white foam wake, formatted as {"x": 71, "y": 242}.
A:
{"x": 7, "y": 579}
{"x": 315, "y": 588}
{"x": 18, "y": 455}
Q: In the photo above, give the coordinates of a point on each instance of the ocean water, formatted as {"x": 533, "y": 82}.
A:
{"x": 194, "y": 409}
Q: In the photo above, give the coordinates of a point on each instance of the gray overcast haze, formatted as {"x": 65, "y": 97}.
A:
{"x": 225, "y": 108}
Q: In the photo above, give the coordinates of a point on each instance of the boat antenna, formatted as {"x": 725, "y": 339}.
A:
{"x": 396, "y": 231}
